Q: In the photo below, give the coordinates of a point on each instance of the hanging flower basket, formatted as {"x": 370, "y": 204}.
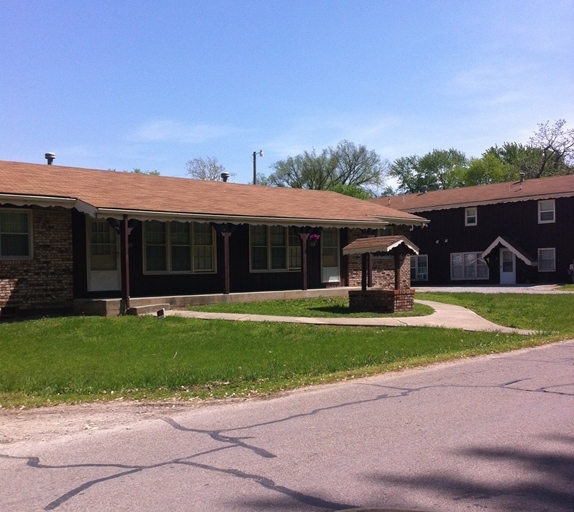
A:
{"x": 313, "y": 239}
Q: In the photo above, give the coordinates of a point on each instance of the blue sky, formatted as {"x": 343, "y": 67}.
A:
{"x": 118, "y": 84}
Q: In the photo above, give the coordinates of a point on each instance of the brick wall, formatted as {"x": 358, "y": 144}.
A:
{"x": 46, "y": 280}
{"x": 383, "y": 269}
{"x": 381, "y": 301}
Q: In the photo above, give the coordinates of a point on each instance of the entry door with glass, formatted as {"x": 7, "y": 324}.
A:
{"x": 103, "y": 256}
{"x": 330, "y": 255}
{"x": 507, "y": 267}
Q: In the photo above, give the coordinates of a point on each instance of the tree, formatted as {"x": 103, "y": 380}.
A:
{"x": 485, "y": 170}
{"x": 549, "y": 152}
{"x": 439, "y": 169}
{"x": 347, "y": 168}
{"x": 556, "y": 146}
{"x": 206, "y": 169}
{"x": 151, "y": 173}
{"x": 519, "y": 158}
{"x": 359, "y": 166}
{"x": 354, "y": 191}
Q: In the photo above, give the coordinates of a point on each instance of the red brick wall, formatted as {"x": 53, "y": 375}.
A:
{"x": 46, "y": 280}
{"x": 382, "y": 301}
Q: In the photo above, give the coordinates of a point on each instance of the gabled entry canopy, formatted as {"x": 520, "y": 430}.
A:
{"x": 379, "y": 244}
{"x": 511, "y": 246}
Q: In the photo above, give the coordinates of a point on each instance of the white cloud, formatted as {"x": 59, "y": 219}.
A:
{"x": 167, "y": 130}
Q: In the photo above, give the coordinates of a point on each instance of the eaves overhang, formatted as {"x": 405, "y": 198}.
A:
{"x": 478, "y": 202}
{"x": 419, "y": 221}
{"x": 142, "y": 215}
{"x": 33, "y": 200}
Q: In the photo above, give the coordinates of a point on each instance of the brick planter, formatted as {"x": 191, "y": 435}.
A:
{"x": 381, "y": 301}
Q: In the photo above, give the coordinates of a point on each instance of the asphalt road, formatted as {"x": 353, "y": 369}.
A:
{"x": 488, "y": 434}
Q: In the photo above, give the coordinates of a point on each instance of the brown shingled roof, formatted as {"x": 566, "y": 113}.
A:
{"x": 531, "y": 189}
{"x": 112, "y": 194}
{"x": 378, "y": 244}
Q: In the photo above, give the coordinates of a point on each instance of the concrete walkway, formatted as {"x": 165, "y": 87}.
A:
{"x": 445, "y": 315}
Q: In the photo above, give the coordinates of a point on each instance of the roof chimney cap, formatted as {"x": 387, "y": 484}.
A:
{"x": 50, "y": 157}
{"x": 225, "y": 176}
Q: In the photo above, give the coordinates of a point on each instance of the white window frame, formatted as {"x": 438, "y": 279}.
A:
{"x": 542, "y": 211}
{"x": 471, "y": 216}
{"x": 291, "y": 245}
{"x": 418, "y": 274}
{"x": 168, "y": 251}
{"x": 476, "y": 265}
{"x": 29, "y": 255}
{"x": 551, "y": 250}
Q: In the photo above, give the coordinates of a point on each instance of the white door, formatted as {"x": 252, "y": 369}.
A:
{"x": 330, "y": 255}
{"x": 103, "y": 256}
{"x": 507, "y": 267}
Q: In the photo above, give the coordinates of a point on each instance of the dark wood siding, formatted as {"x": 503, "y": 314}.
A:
{"x": 241, "y": 278}
{"x": 515, "y": 222}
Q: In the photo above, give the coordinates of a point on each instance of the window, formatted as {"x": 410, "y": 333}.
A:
{"x": 102, "y": 246}
{"x": 470, "y": 217}
{"x": 15, "y": 234}
{"x": 547, "y": 260}
{"x": 274, "y": 249}
{"x": 468, "y": 265}
{"x": 419, "y": 267}
{"x": 386, "y": 231}
{"x": 178, "y": 247}
{"x": 546, "y": 211}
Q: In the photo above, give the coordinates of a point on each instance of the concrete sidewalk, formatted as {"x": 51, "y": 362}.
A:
{"x": 445, "y": 315}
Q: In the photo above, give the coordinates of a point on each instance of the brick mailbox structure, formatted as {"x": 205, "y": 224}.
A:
{"x": 393, "y": 296}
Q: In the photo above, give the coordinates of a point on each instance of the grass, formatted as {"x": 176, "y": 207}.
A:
{"x": 325, "y": 307}
{"x": 74, "y": 359}
{"x": 542, "y": 312}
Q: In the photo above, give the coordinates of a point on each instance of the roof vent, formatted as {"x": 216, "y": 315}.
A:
{"x": 522, "y": 177}
{"x": 424, "y": 189}
{"x": 50, "y": 157}
{"x": 225, "y": 176}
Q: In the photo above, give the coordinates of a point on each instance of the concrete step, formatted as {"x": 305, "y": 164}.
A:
{"x": 147, "y": 309}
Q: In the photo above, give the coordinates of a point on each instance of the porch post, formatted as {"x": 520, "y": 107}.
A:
{"x": 227, "y": 282}
{"x": 364, "y": 269}
{"x": 397, "y": 270}
{"x": 304, "y": 237}
{"x": 225, "y": 230}
{"x": 126, "y": 271}
{"x": 370, "y": 233}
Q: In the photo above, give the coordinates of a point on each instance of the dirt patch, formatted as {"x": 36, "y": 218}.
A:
{"x": 45, "y": 423}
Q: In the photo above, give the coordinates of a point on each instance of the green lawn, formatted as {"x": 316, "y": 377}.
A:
{"x": 75, "y": 359}
{"x": 325, "y": 307}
